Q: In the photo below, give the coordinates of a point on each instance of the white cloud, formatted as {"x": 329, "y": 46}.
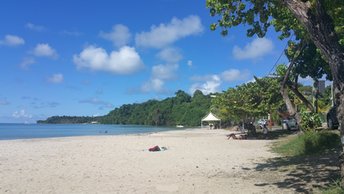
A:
{"x": 211, "y": 85}
{"x": 234, "y": 75}
{"x": 170, "y": 55}
{"x": 21, "y": 114}
{"x": 124, "y": 61}
{"x": 153, "y": 85}
{"x": 12, "y": 40}
{"x": 120, "y": 35}
{"x": 164, "y": 72}
{"x": 257, "y": 48}
{"x": 166, "y": 34}
{"x": 35, "y": 27}
{"x": 27, "y": 62}
{"x": 306, "y": 81}
{"x": 160, "y": 74}
{"x": 44, "y": 50}
{"x": 56, "y": 78}
{"x": 189, "y": 63}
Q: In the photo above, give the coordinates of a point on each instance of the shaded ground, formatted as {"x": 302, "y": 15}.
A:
{"x": 273, "y": 134}
{"x": 303, "y": 174}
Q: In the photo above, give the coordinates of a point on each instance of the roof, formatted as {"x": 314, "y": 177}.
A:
{"x": 211, "y": 117}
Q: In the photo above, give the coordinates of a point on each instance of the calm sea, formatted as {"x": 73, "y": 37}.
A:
{"x": 28, "y": 131}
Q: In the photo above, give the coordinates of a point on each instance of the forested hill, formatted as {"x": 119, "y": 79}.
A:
{"x": 181, "y": 109}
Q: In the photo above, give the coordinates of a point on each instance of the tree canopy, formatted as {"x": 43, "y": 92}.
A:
{"x": 249, "y": 101}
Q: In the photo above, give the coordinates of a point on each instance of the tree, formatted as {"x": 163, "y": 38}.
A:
{"x": 318, "y": 21}
{"x": 248, "y": 101}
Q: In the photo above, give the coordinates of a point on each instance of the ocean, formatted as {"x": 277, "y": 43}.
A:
{"x": 29, "y": 131}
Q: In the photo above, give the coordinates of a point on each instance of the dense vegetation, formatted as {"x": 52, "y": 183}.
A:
{"x": 181, "y": 109}
{"x": 250, "y": 101}
{"x": 69, "y": 120}
{"x": 310, "y": 142}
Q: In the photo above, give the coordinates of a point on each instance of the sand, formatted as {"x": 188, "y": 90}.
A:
{"x": 196, "y": 161}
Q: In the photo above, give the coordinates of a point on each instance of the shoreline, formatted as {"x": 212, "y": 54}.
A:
{"x": 196, "y": 161}
{"x": 116, "y": 130}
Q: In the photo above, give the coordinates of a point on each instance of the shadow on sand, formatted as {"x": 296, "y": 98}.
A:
{"x": 303, "y": 173}
{"x": 271, "y": 135}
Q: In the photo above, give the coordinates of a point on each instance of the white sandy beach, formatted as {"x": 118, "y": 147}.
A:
{"x": 197, "y": 161}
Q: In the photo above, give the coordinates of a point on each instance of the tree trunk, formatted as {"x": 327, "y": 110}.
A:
{"x": 301, "y": 96}
{"x": 290, "y": 105}
{"x": 284, "y": 91}
{"x": 320, "y": 27}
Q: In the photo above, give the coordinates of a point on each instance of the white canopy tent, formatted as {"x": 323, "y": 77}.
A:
{"x": 210, "y": 118}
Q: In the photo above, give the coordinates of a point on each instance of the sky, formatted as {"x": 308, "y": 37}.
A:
{"x": 88, "y": 57}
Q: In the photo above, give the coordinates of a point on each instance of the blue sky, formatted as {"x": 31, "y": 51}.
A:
{"x": 87, "y": 57}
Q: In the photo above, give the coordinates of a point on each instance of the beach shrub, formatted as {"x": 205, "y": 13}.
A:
{"x": 310, "y": 120}
{"x": 309, "y": 142}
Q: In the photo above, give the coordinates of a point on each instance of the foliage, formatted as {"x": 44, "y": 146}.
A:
{"x": 258, "y": 16}
{"x": 248, "y": 101}
{"x": 324, "y": 101}
{"x": 69, "y": 120}
{"x": 309, "y": 142}
{"x": 181, "y": 109}
{"x": 310, "y": 120}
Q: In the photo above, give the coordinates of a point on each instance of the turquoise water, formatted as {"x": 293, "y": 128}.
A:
{"x": 28, "y": 131}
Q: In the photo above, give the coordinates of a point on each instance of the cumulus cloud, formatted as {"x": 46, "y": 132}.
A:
{"x": 164, "y": 72}
{"x": 119, "y": 36}
{"x": 124, "y": 61}
{"x": 211, "y": 83}
{"x": 257, "y": 48}
{"x": 170, "y": 55}
{"x": 44, "y": 50}
{"x": 22, "y": 114}
{"x": 153, "y": 85}
{"x": 12, "y": 40}
{"x": 235, "y": 75}
{"x": 160, "y": 74}
{"x": 56, "y": 78}
{"x": 306, "y": 81}
{"x": 26, "y": 62}
{"x": 35, "y": 27}
{"x": 98, "y": 102}
{"x": 166, "y": 34}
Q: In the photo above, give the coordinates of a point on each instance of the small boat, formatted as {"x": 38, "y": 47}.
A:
{"x": 179, "y": 126}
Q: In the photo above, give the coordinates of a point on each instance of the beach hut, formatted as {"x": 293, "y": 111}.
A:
{"x": 211, "y": 119}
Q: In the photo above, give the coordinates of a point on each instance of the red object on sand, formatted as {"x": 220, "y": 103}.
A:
{"x": 154, "y": 149}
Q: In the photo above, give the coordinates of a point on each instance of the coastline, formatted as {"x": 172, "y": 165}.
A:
{"x": 37, "y": 131}
{"x": 196, "y": 161}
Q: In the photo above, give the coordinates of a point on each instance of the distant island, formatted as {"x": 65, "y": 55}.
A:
{"x": 182, "y": 109}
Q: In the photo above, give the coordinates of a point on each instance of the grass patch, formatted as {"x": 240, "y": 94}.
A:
{"x": 333, "y": 189}
{"x": 308, "y": 143}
